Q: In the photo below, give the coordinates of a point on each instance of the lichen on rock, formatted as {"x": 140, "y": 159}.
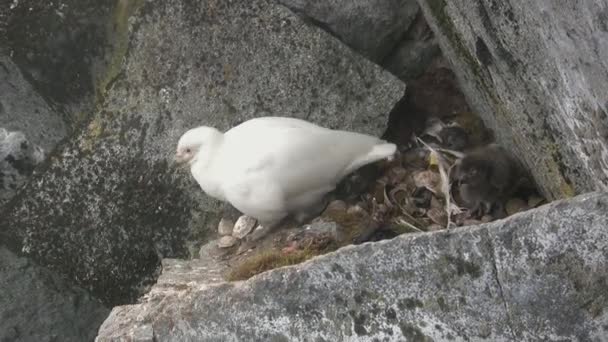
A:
{"x": 537, "y": 70}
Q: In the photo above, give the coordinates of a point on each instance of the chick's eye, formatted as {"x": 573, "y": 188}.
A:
{"x": 187, "y": 150}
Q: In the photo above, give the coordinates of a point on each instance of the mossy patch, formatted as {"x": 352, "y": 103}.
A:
{"x": 118, "y": 29}
{"x": 266, "y": 261}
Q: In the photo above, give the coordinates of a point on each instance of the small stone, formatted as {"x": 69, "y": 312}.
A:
{"x": 515, "y": 205}
{"x": 211, "y": 251}
{"x": 322, "y": 228}
{"x": 227, "y": 241}
{"x": 535, "y": 201}
{"x": 225, "y": 227}
{"x": 438, "y": 216}
{"x": 487, "y": 218}
{"x": 243, "y": 226}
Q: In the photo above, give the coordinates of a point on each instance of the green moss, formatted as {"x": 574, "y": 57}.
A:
{"x": 266, "y": 261}
{"x": 94, "y": 131}
{"x": 450, "y": 31}
{"x": 118, "y": 29}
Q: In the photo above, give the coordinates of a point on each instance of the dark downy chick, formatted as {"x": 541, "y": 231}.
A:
{"x": 486, "y": 177}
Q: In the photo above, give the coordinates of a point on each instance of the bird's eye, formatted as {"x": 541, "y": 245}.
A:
{"x": 187, "y": 150}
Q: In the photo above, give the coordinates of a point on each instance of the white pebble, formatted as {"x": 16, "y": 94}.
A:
{"x": 243, "y": 226}
{"x": 227, "y": 241}
{"x": 225, "y": 227}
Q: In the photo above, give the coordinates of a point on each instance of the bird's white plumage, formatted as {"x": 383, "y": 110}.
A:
{"x": 274, "y": 166}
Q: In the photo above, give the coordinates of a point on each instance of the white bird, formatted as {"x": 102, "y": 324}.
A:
{"x": 272, "y": 167}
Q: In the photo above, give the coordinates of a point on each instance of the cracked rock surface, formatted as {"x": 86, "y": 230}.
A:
{"x": 540, "y": 274}
{"x": 537, "y": 74}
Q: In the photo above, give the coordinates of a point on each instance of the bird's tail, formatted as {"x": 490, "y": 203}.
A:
{"x": 378, "y": 152}
{"x": 382, "y": 151}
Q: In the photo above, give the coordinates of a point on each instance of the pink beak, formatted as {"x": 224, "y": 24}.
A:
{"x": 179, "y": 158}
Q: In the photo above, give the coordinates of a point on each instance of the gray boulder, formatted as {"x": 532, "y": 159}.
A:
{"x": 372, "y": 28}
{"x": 23, "y": 109}
{"x": 538, "y": 275}
{"x": 64, "y": 47}
{"x": 537, "y": 73}
{"x": 110, "y": 204}
{"x": 414, "y": 53}
{"x": 29, "y": 129}
{"x": 18, "y": 159}
{"x": 37, "y": 305}
{"x": 392, "y": 33}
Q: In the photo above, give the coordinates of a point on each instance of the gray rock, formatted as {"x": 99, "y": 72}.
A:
{"x": 65, "y": 47}
{"x": 18, "y": 159}
{"x": 243, "y": 226}
{"x": 538, "y": 75}
{"x": 538, "y": 275}
{"x": 225, "y": 227}
{"x": 227, "y": 241}
{"x": 37, "y": 305}
{"x": 28, "y": 126}
{"x": 372, "y": 28}
{"x": 414, "y": 53}
{"x": 111, "y": 204}
{"x": 23, "y": 109}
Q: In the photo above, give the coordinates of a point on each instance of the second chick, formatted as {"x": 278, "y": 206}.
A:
{"x": 486, "y": 177}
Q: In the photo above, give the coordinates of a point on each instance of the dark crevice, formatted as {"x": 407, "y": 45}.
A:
{"x": 312, "y": 21}
{"x": 427, "y": 35}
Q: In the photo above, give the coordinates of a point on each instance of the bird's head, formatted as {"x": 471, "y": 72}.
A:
{"x": 194, "y": 141}
{"x": 472, "y": 171}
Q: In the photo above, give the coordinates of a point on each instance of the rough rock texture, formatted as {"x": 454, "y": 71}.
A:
{"x": 414, "y": 53}
{"x": 537, "y": 73}
{"x": 392, "y": 33}
{"x": 27, "y": 125}
{"x": 110, "y": 203}
{"x": 372, "y": 28}
{"x": 36, "y": 305}
{"x": 62, "y": 48}
{"x": 18, "y": 158}
{"x": 23, "y": 109}
{"x": 539, "y": 275}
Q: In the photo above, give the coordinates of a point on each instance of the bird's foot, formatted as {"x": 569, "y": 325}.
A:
{"x": 262, "y": 231}
{"x": 310, "y": 213}
{"x": 481, "y": 209}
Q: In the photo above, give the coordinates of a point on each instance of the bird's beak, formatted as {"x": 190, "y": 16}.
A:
{"x": 179, "y": 158}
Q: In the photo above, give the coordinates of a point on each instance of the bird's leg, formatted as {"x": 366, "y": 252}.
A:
{"x": 499, "y": 210}
{"x": 311, "y": 212}
{"x": 477, "y": 210}
{"x": 263, "y": 230}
